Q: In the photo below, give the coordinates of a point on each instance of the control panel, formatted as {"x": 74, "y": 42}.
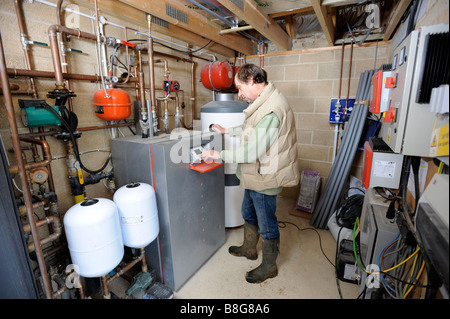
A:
{"x": 407, "y": 124}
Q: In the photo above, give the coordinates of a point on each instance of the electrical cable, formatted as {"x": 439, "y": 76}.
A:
{"x": 172, "y": 48}
{"x": 113, "y": 56}
{"x": 396, "y": 272}
{"x": 282, "y": 224}
{"x": 72, "y": 137}
{"x": 351, "y": 209}
{"x": 386, "y": 270}
{"x": 380, "y": 255}
{"x": 336, "y": 263}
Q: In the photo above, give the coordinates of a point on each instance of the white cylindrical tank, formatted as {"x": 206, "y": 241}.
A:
{"x": 227, "y": 113}
{"x": 138, "y": 214}
{"x": 94, "y": 236}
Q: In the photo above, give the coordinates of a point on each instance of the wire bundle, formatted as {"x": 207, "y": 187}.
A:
{"x": 409, "y": 274}
{"x": 399, "y": 280}
{"x": 349, "y": 211}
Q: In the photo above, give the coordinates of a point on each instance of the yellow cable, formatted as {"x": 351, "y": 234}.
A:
{"x": 410, "y": 276}
{"x": 398, "y": 265}
{"x": 418, "y": 276}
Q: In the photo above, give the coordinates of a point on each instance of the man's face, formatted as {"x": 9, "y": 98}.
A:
{"x": 246, "y": 90}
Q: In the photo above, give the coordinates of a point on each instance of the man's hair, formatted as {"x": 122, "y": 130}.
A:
{"x": 251, "y": 70}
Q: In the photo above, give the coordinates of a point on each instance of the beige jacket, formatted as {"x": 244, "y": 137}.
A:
{"x": 278, "y": 167}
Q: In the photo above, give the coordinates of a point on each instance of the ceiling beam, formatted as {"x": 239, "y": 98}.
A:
{"x": 262, "y": 23}
{"x": 138, "y": 18}
{"x": 336, "y": 3}
{"x": 325, "y": 21}
{"x": 395, "y": 17}
{"x": 290, "y": 12}
{"x": 179, "y": 15}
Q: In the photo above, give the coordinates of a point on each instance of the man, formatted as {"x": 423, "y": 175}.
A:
{"x": 267, "y": 162}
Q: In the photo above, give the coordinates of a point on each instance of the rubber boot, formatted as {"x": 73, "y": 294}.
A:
{"x": 248, "y": 248}
{"x": 268, "y": 267}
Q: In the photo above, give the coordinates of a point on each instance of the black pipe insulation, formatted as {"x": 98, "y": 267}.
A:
{"x": 334, "y": 188}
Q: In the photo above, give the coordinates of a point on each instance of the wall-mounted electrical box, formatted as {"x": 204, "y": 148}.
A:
{"x": 407, "y": 125}
{"x": 382, "y": 83}
{"x": 377, "y": 232}
{"x": 382, "y": 167}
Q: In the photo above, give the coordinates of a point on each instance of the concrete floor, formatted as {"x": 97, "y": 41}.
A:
{"x": 303, "y": 271}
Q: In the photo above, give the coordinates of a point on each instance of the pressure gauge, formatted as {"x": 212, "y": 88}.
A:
{"x": 39, "y": 175}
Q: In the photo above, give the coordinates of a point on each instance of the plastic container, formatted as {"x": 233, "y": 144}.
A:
{"x": 217, "y": 75}
{"x": 94, "y": 236}
{"x": 116, "y": 107}
{"x": 138, "y": 214}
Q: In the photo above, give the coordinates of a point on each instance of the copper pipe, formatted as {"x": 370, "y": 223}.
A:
{"x": 23, "y": 35}
{"x": 82, "y": 129}
{"x": 50, "y": 181}
{"x": 166, "y": 66}
{"x": 145, "y": 47}
{"x": 342, "y": 65}
{"x": 21, "y": 92}
{"x": 34, "y": 91}
{"x": 57, "y": 230}
{"x": 91, "y": 128}
{"x": 151, "y": 63}
{"x": 144, "y": 111}
{"x": 261, "y": 55}
{"x": 120, "y": 271}
{"x": 106, "y": 294}
{"x": 14, "y": 169}
{"x": 56, "y": 58}
{"x": 349, "y": 72}
{"x": 144, "y": 262}
{"x": 42, "y": 143}
{"x": 136, "y": 85}
{"x": 46, "y": 162}
{"x": 63, "y": 54}
{"x": 23, "y": 208}
{"x": 193, "y": 92}
{"x": 52, "y": 33}
{"x": 22, "y": 174}
{"x": 51, "y": 75}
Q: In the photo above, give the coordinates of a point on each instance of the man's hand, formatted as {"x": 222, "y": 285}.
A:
{"x": 210, "y": 156}
{"x": 218, "y": 128}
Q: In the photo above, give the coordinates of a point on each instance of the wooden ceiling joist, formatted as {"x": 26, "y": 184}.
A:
{"x": 138, "y": 17}
{"x": 261, "y": 22}
{"x": 192, "y": 22}
{"x": 325, "y": 21}
{"x": 395, "y": 17}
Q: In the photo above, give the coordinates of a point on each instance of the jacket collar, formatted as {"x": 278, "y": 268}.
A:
{"x": 263, "y": 96}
